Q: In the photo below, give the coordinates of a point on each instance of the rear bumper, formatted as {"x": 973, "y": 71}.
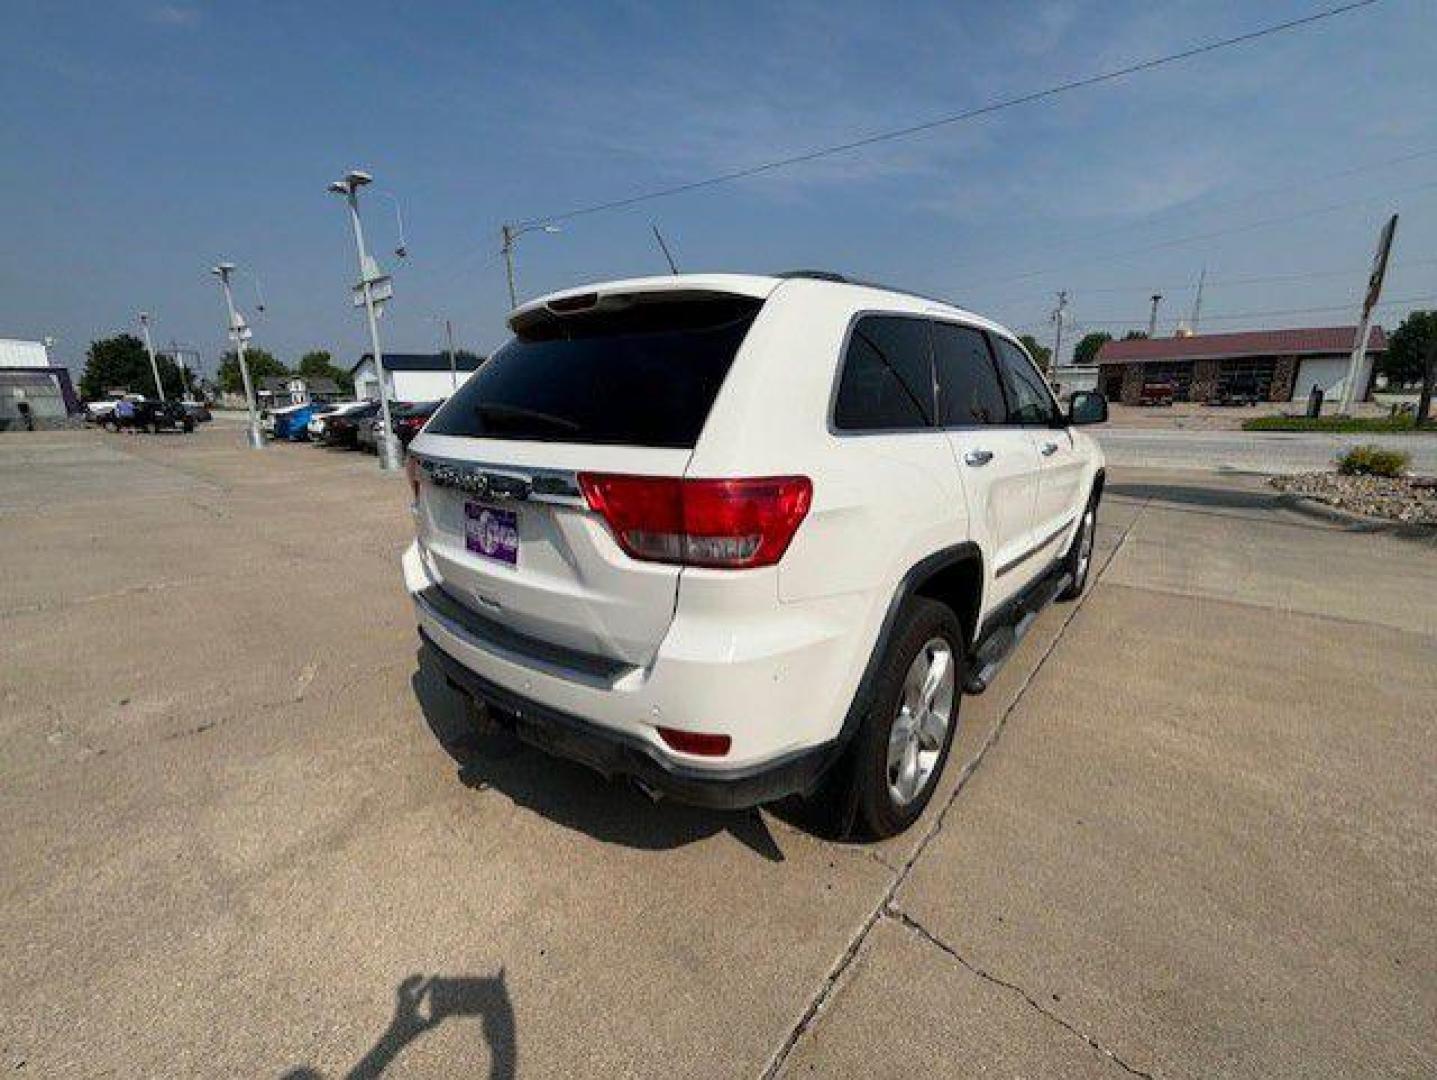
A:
{"x": 619, "y": 756}
{"x": 775, "y": 690}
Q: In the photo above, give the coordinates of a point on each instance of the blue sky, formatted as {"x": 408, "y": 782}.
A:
{"x": 143, "y": 141}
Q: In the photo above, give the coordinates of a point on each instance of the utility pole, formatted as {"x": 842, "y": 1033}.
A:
{"x": 1153, "y": 315}
{"x": 453, "y": 368}
{"x": 150, "y": 348}
{"x": 673, "y": 267}
{"x": 369, "y": 279}
{"x": 1429, "y": 371}
{"x": 507, "y": 235}
{"x": 1357, "y": 366}
{"x": 238, "y": 331}
{"x": 1057, "y": 316}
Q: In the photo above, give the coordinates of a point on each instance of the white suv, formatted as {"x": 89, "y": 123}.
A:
{"x": 738, "y": 537}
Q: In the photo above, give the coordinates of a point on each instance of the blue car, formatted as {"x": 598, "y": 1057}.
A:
{"x": 291, "y": 423}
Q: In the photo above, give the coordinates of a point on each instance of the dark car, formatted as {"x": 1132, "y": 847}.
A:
{"x": 198, "y": 411}
{"x": 408, "y": 418}
{"x": 152, "y": 416}
{"x": 342, "y": 429}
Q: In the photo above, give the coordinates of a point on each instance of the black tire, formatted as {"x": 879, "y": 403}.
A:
{"x": 859, "y": 790}
{"x": 1078, "y": 562}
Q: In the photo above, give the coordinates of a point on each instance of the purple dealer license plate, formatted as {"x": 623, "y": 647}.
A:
{"x": 492, "y": 532}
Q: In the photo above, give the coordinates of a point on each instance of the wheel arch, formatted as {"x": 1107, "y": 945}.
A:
{"x": 940, "y": 576}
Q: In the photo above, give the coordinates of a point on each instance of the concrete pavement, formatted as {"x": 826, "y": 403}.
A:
{"x": 1190, "y": 831}
{"x": 1250, "y": 451}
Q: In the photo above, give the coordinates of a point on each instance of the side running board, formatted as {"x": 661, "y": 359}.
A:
{"x": 990, "y": 656}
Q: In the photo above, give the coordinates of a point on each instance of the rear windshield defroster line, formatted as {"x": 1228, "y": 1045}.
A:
{"x": 643, "y": 373}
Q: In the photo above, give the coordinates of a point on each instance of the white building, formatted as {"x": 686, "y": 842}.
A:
{"x": 33, "y": 391}
{"x": 15, "y": 353}
{"x": 412, "y": 376}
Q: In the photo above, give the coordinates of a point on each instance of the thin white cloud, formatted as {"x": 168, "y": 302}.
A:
{"x": 174, "y": 14}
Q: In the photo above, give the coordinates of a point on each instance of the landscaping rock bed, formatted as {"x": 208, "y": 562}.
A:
{"x": 1407, "y": 499}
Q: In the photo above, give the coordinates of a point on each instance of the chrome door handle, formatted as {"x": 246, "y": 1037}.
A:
{"x": 1049, "y": 449}
{"x": 977, "y": 458}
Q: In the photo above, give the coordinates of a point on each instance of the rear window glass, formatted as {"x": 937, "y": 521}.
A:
{"x": 643, "y": 375}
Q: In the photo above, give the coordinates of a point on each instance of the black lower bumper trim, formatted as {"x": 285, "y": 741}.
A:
{"x": 617, "y": 755}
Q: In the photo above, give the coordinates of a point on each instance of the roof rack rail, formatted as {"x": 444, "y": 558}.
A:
{"x": 829, "y": 275}
{"x": 815, "y": 275}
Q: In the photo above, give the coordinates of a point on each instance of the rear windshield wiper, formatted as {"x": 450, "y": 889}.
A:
{"x": 516, "y": 412}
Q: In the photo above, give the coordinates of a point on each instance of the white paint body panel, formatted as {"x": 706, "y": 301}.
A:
{"x": 772, "y": 656}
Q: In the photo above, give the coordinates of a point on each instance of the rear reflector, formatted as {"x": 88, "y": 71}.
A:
{"x": 696, "y": 742}
{"x": 732, "y": 524}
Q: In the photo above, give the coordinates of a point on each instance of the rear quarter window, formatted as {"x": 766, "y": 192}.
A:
{"x": 643, "y": 374}
{"x": 887, "y": 380}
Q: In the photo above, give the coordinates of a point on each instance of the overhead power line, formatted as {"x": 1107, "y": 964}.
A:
{"x": 1307, "y": 181}
{"x": 955, "y": 118}
{"x": 1179, "y": 241}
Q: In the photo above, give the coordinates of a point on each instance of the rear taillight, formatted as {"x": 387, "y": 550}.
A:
{"x": 732, "y": 524}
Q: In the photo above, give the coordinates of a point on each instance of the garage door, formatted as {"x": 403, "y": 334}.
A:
{"x": 1327, "y": 372}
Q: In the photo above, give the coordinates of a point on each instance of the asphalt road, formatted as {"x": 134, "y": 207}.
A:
{"x": 1190, "y": 831}
{"x": 1249, "y": 451}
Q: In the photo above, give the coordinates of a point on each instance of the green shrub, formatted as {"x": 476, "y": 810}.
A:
{"x": 1373, "y": 461}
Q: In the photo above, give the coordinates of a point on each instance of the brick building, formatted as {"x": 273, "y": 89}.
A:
{"x": 1271, "y": 365}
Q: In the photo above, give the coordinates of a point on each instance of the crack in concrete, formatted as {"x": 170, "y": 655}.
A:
{"x": 850, "y": 952}
{"x": 904, "y": 919}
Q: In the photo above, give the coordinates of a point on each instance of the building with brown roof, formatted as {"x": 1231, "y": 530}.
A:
{"x": 1261, "y": 365}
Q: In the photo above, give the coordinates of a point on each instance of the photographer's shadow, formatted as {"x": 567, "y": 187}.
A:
{"x": 564, "y": 792}
{"x": 423, "y": 1003}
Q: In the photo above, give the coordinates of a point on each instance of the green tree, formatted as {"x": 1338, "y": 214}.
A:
{"x": 1086, "y": 351}
{"x": 1039, "y": 354}
{"x": 261, "y": 364}
{"x": 121, "y": 363}
{"x": 1407, "y": 348}
{"x": 318, "y": 364}
{"x": 1136, "y": 335}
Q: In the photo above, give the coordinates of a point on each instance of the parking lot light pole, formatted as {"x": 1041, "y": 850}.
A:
{"x": 388, "y": 445}
{"x": 150, "y": 348}
{"x": 237, "y": 331}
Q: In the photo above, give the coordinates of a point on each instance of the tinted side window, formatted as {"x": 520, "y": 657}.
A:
{"x": 968, "y": 389}
{"x": 887, "y": 376}
{"x": 1028, "y": 396}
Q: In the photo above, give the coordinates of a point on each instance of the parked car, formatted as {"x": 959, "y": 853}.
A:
{"x": 269, "y": 418}
{"x": 321, "y": 414}
{"x": 199, "y": 412}
{"x": 97, "y": 411}
{"x": 342, "y": 428}
{"x": 151, "y": 416}
{"x": 410, "y": 420}
{"x": 1156, "y": 393}
{"x": 400, "y": 413}
{"x": 868, "y": 496}
{"x": 292, "y": 424}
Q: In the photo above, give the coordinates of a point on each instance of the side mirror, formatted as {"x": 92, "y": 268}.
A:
{"x": 1088, "y": 407}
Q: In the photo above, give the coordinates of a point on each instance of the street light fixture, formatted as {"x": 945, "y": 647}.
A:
{"x": 507, "y": 235}
{"x": 238, "y": 331}
{"x": 369, "y": 278}
{"x": 150, "y": 348}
